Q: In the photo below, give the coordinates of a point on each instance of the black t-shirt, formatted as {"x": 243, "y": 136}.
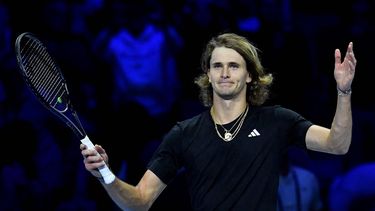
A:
{"x": 241, "y": 174}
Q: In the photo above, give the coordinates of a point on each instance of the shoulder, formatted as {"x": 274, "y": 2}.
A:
{"x": 269, "y": 109}
{"x": 189, "y": 125}
{"x": 283, "y": 112}
{"x": 274, "y": 111}
{"x": 194, "y": 121}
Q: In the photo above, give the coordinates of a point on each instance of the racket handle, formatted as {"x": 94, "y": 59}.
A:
{"x": 106, "y": 173}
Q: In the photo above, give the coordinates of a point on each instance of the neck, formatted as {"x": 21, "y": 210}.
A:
{"x": 224, "y": 113}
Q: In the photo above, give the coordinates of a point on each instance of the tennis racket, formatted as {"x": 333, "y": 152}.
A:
{"x": 45, "y": 79}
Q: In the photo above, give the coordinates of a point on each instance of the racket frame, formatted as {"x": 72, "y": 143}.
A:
{"x": 64, "y": 111}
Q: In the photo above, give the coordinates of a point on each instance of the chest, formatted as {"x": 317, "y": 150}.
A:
{"x": 254, "y": 146}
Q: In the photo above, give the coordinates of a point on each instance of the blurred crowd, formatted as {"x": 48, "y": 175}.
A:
{"x": 130, "y": 67}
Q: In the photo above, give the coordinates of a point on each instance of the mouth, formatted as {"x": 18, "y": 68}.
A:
{"x": 225, "y": 83}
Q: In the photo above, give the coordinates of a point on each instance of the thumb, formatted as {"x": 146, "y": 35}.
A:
{"x": 337, "y": 57}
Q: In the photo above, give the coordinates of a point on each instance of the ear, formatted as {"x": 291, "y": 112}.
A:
{"x": 208, "y": 75}
{"x": 249, "y": 78}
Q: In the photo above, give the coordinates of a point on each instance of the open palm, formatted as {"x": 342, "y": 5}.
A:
{"x": 345, "y": 70}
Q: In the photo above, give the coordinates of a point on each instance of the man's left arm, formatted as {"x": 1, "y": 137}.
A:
{"x": 337, "y": 139}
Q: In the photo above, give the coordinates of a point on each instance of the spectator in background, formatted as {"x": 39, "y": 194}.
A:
{"x": 139, "y": 49}
{"x": 354, "y": 190}
{"x": 17, "y": 170}
{"x": 30, "y": 179}
{"x": 299, "y": 188}
{"x": 6, "y": 42}
{"x": 141, "y": 52}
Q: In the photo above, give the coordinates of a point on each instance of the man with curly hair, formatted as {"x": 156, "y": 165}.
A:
{"x": 231, "y": 153}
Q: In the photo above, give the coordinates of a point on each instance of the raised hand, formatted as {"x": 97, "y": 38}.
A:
{"x": 345, "y": 70}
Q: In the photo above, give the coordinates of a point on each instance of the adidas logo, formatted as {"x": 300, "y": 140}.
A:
{"x": 254, "y": 133}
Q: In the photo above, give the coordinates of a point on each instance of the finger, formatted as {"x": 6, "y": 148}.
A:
{"x": 352, "y": 66}
{"x": 352, "y": 62}
{"x": 93, "y": 159}
{"x": 352, "y": 58}
{"x": 82, "y": 146}
{"x": 84, "y": 153}
{"x": 88, "y": 152}
{"x": 337, "y": 57}
{"x": 350, "y": 47}
{"x": 93, "y": 166}
{"x": 99, "y": 149}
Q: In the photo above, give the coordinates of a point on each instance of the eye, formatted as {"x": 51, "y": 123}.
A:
{"x": 216, "y": 66}
{"x": 234, "y": 66}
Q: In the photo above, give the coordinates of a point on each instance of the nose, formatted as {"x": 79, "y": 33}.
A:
{"x": 225, "y": 72}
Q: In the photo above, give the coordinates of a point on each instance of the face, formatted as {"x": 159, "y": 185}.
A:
{"x": 228, "y": 74}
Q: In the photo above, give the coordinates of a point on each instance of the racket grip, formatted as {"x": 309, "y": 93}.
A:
{"x": 106, "y": 173}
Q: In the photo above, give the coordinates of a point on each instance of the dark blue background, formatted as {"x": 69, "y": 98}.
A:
{"x": 41, "y": 166}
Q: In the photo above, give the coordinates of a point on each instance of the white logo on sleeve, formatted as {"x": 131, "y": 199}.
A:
{"x": 254, "y": 133}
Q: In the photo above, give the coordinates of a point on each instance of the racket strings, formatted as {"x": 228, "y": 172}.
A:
{"x": 42, "y": 72}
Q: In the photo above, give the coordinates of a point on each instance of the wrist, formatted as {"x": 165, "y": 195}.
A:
{"x": 344, "y": 92}
{"x": 97, "y": 175}
{"x": 101, "y": 179}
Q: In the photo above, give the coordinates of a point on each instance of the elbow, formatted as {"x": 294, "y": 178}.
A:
{"x": 341, "y": 149}
{"x": 345, "y": 150}
{"x": 136, "y": 207}
{"x": 143, "y": 202}
{"x": 136, "y": 204}
{"x": 142, "y": 205}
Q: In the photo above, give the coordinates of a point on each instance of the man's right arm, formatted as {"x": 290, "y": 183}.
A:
{"x": 139, "y": 197}
{"x": 126, "y": 196}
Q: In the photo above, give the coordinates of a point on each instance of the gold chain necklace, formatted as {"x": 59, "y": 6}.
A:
{"x": 228, "y": 136}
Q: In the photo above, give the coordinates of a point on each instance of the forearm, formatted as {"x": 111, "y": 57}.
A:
{"x": 341, "y": 130}
{"x": 126, "y": 196}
